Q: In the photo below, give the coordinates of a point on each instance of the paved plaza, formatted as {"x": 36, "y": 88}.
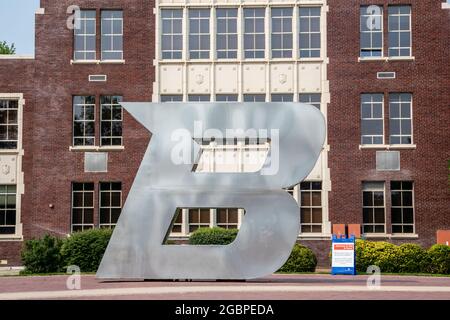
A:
{"x": 292, "y": 287}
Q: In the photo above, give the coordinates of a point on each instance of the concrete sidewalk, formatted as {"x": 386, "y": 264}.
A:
{"x": 296, "y": 287}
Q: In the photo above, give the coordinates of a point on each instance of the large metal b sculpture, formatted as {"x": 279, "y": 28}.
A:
{"x": 271, "y": 223}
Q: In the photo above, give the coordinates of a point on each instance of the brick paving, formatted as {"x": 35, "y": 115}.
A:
{"x": 296, "y": 287}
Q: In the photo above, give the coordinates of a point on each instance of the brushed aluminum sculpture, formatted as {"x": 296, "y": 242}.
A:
{"x": 271, "y": 223}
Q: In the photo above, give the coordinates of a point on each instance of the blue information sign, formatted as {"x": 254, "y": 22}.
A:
{"x": 343, "y": 257}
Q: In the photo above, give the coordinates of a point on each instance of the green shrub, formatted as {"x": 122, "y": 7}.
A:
{"x": 382, "y": 254}
{"x": 213, "y": 236}
{"x": 412, "y": 258}
{"x": 439, "y": 259}
{"x": 85, "y": 249}
{"x": 302, "y": 259}
{"x": 42, "y": 255}
{"x": 406, "y": 258}
{"x": 364, "y": 255}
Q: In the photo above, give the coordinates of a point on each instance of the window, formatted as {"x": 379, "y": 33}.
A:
{"x": 311, "y": 207}
{"x": 372, "y": 119}
{"x": 82, "y": 206}
{"x": 282, "y": 97}
{"x": 227, "y": 97}
{"x": 400, "y": 118}
{"x": 199, "y": 98}
{"x": 227, "y": 218}
{"x": 112, "y": 35}
{"x": 85, "y": 36}
{"x": 177, "y": 226}
{"x": 171, "y": 98}
{"x": 110, "y": 203}
{"x": 199, "y": 218}
{"x": 9, "y": 126}
{"x": 399, "y": 31}
{"x": 111, "y": 120}
{"x": 254, "y": 39}
{"x": 83, "y": 120}
{"x": 7, "y": 209}
{"x": 199, "y": 33}
{"x": 254, "y": 97}
{"x": 402, "y": 208}
{"x": 311, "y": 98}
{"x": 226, "y": 42}
{"x": 374, "y": 220}
{"x": 371, "y": 27}
{"x": 172, "y": 34}
{"x": 281, "y": 32}
{"x": 309, "y": 36}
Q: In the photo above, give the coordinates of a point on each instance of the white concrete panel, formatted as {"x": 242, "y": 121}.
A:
{"x": 282, "y": 78}
{"x": 254, "y": 78}
{"x": 8, "y": 169}
{"x": 309, "y": 77}
{"x": 227, "y": 78}
{"x": 171, "y": 79}
{"x": 199, "y": 79}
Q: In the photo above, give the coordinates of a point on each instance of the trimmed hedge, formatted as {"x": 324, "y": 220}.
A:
{"x": 42, "y": 255}
{"x": 86, "y": 249}
{"x": 439, "y": 256}
{"x": 302, "y": 259}
{"x": 406, "y": 258}
{"x": 213, "y": 236}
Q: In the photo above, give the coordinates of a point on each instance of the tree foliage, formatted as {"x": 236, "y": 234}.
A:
{"x": 6, "y": 48}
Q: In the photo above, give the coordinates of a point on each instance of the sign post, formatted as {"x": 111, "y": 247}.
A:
{"x": 343, "y": 257}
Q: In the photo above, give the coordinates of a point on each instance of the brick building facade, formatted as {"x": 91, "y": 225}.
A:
{"x": 125, "y": 57}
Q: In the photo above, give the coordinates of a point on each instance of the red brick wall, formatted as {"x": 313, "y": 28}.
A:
{"x": 49, "y": 167}
{"x": 428, "y": 78}
{"x": 49, "y": 82}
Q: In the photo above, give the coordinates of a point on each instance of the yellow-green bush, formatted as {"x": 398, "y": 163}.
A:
{"x": 439, "y": 259}
{"x": 406, "y": 258}
{"x": 302, "y": 259}
{"x": 412, "y": 258}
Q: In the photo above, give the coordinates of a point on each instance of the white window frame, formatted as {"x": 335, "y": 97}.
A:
{"x": 367, "y": 187}
{"x": 111, "y": 121}
{"x": 7, "y": 194}
{"x": 110, "y": 207}
{"x": 399, "y": 32}
{"x": 199, "y": 34}
{"x": 7, "y": 124}
{"x": 371, "y": 103}
{"x": 112, "y": 35}
{"x": 227, "y": 34}
{"x": 309, "y": 33}
{"x": 310, "y": 207}
{"x": 172, "y": 34}
{"x": 18, "y": 155}
{"x": 282, "y": 49}
{"x": 84, "y": 137}
{"x": 84, "y": 226}
{"x": 363, "y": 20}
{"x": 402, "y": 207}
{"x": 400, "y": 119}
{"x": 83, "y": 21}
{"x": 310, "y": 100}
{"x": 254, "y": 34}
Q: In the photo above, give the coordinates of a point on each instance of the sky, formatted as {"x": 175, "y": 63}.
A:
{"x": 17, "y": 24}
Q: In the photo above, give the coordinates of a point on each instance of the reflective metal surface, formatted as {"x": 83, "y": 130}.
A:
{"x": 271, "y": 224}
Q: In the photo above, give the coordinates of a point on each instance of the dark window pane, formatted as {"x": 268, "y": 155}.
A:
{"x": 396, "y": 198}
{"x": 367, "y": 215}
